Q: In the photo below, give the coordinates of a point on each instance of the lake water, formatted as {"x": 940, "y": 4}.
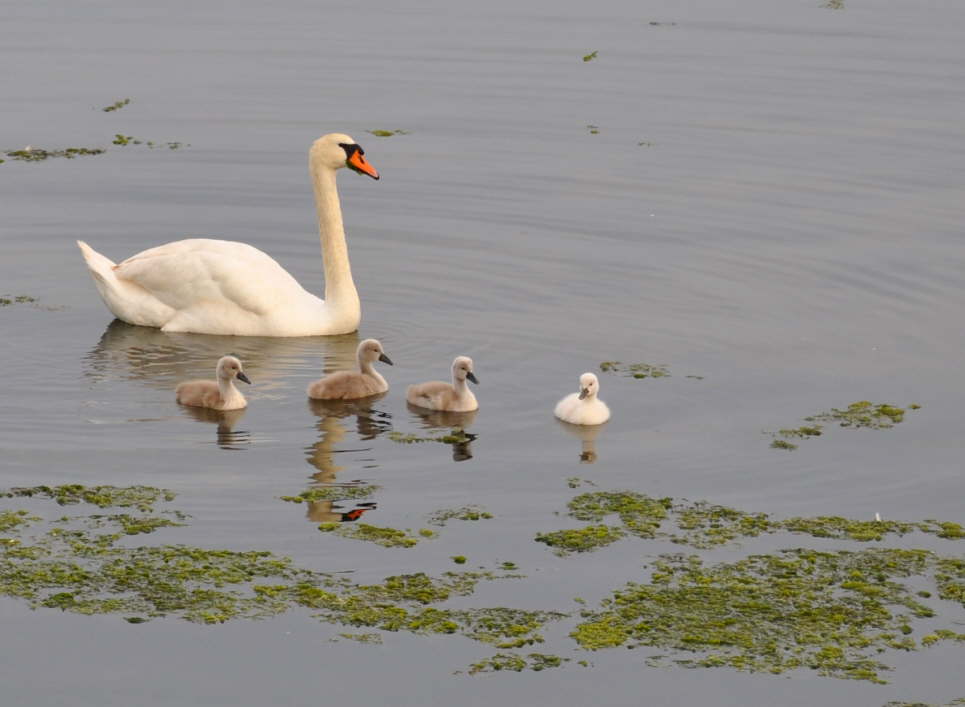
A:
{"x": 770, "y": 201}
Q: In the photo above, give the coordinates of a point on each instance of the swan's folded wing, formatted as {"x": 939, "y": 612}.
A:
{"x": 344, "y": 385}
{"x": 184, "y": 273}
{"x": 423, "y": 393}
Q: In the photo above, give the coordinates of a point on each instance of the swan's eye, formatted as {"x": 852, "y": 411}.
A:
{"x": 351, "y": 149}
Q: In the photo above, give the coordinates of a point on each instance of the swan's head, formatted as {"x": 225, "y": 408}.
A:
{"x": 462, "y": 369}
{"x": 589, "y": 386}
{"x": 371, "y": 350}
{"x": 337, "y": 150}
{"x": 230, "y": 367}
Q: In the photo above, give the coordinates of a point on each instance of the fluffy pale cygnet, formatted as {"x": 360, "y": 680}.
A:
{"x": 583, "y": 408}
{"x": 347, "y": 385}
{"x": 217, "y": 395}
{"x": 439, "y": 395}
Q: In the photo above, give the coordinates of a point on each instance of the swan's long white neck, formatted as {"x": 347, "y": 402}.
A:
{"x": 340, "y": 293}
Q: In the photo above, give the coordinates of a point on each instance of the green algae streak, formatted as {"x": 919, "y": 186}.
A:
{"x": 335, "y": 492}
{"x": 862, "y": 414}
{"x": 36, "y": 154}
{"x": 636, "y": 370}
{"x": 703, "y": 525}
{"x": 16, "y": 299}
{"x": 116, "y": 105}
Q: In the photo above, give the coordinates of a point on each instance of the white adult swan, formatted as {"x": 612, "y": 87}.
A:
{"x": 207, "y": 286}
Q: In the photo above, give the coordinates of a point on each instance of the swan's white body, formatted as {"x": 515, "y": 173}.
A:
{"x": 208, "y": 286}
{"x": 450, "y": 397}
{"x": 584, "y": 408}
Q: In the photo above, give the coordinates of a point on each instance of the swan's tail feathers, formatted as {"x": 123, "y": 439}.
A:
{"x": 125, "y": 300}
{"x": 100, "y": 267}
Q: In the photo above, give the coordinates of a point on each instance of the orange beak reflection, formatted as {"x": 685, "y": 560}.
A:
{"x": 357, "y": 162}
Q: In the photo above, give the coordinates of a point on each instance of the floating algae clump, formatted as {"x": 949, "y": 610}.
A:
{"x": 440, "y": 517}
{"x": 15, "y": 519}
{"x": 141, "y": 497}
{"x": 124, "y": 140}
{"x": 863, "y": 413}
{"x": 704, "y": 525}
{"x": 116, "y": 105}
{"x": 802, "y": 432}
{"x": 36, "y": 154}
{"x": 335, "y": 492}
{"x": 516, "y": 663}
{"x": 126, "y": 523}
{"x": 837, "y": 527}
{"x": 17, "y": 299}
{"x": 585, "y": 539}
{"x": 636, "y": 370}
{"x": 457, "y": 436}
{"x": 363, "y": 637}
{"x": 386, "y": 537}
{"x": 387, "y": 133}
{"x": 641, "y": 514}
{"x": 833, "y": 612}
{"x": 76, "y": 570}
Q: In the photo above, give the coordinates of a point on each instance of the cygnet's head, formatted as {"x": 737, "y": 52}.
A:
{"x": 462, "y": 369}
{"x": 589, "y": 386}
{"x": 370, "y": 351}
{"x": 337, "y": 150}
{"x": 230, "y": 367}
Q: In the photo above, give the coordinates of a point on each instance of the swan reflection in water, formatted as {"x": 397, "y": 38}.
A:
{"x": 451, "y": 423}
{"x": 227, "y": 436}
{"x": 332, "y": 415}
{"x": 587, "y": 435}
{"x": 162, "y": 360}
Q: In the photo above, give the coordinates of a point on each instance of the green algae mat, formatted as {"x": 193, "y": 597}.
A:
{"x": 838, "y": 612}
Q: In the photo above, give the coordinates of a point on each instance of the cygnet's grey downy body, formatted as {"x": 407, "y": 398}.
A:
{"x": 220, "y": 394}
{"x": 348, "y": 385}
{"x": 584, "y": 407}
{"x": 453, "y": 397}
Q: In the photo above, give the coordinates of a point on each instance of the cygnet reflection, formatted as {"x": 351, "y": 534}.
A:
{"x": 449, "y": 422}
{"x": 227, "y": 437}
{"x": 161, "y": 360}
{"x": 587, "y": 435}
{"x": 332, "y": 416}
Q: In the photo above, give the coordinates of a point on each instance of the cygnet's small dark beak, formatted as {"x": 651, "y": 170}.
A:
{"x": 242, "y": 377}
{"x": 472, "y": 376}
{"x": 584, "y": 392}
{"x": 385, "y": 359}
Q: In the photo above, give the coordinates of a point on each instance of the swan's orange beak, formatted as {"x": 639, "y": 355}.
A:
{"x": 357, "y": 162}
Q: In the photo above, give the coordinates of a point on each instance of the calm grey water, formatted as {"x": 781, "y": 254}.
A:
{"x": 791, "y": 230}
